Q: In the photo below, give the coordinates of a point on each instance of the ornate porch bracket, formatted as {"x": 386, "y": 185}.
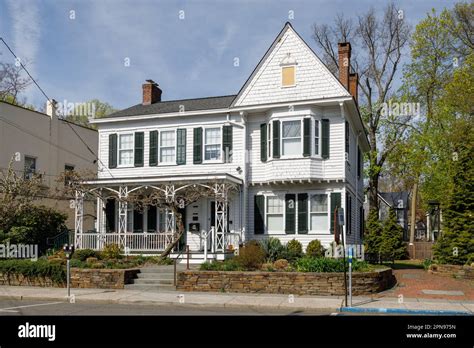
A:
{"x": 221, "y": 216}
{"x": 79, "y": 218}
{"x": 123, "y": 207}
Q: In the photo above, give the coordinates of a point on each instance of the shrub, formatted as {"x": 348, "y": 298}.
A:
{"x": 315, "y": 249}
{"x": 293, "y": 250}
{"x": 273, "y": 248}
{"x": 321, "y": 264}
{"x": 34, "y": 269}
{"x": 227, "y": 265}
{"x": 251, "y": 256}
{"x": 84, "y": 254}
{"x": 111, "y": 251}
{"x": 281, "y": 264}
{"x": 268, "y": 267}
{"x": 426, "y": 264}
{"x": 33, "y": 225}
{"x": 392, "y": 246}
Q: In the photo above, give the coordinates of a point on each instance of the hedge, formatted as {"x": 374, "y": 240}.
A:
{"x": 34, "y": 269}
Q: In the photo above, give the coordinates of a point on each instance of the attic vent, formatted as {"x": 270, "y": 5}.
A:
{"x": 288, "y": 71}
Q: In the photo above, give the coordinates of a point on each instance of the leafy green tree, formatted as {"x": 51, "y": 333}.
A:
{"x": 373, "y": 233}
{"x": 391, "y": 245}
{"x": 34, "y": 224}
{"x": 101, "y": 109}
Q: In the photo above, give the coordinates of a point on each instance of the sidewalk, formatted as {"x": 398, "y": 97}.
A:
{"x": 332, "y": 303}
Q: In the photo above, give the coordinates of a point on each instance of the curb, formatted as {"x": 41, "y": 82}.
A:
{"x": 169, "y": 303}
{"x": 402, "y": 311}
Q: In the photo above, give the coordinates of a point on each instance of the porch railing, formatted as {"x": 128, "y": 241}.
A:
{"x": 131, "y": 241}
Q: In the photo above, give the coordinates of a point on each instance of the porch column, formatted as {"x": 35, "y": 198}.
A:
{"x": 221, "y": 216}
{"x": 123, "y": 207}
{"x": 101, "y": 221}
{"x": 78, "y": 218}
{"x": 170, "y": 222}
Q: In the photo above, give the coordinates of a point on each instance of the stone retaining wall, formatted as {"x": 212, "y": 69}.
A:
{"x": 363, "y": 283}
{"x": 80, "y": 278}
{"x": 456, "y": 271}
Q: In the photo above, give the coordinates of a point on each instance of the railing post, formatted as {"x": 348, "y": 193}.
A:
{"x": 174, "y": 273}
{"x": 187, "y": 257}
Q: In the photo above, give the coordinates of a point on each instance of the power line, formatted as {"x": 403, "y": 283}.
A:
{"x": 49, "y": 100}
{"x": 24, "y": 68}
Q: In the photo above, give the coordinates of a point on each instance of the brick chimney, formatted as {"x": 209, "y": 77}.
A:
{"x": 344, "y": 52}
{"x": 354, "y": 85}
{"x": 151, "y": 92}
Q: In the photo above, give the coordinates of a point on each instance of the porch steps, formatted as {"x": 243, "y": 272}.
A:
{"x": 157, "y": 279}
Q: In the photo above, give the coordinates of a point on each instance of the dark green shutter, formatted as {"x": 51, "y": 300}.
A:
{"x": 153, "y": 156}
{"x": 263, "y": 142}
{"x": 227, "y": 143}
{"x": 181, "y": 146}
{"x": 306, "y": 137}
{"x": 197, "y": 147}
{"x": 259, "y": 214}
{"x": 290, "y": 212}
{"x": 325, "y": 138}
{"x": 302, "y": 213}
{"x": 276, "y": 139}
{"x": 113, "y": 151}
{"x": 139, "y": 149}
{"x": 335, "y": 203}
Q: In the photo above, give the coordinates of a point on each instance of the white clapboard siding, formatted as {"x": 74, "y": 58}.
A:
{"x": 166, "y": 169}
{"x": 313, "y": 79}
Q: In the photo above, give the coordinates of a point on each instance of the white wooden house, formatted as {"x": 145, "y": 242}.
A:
{"x": 291, "y": 141}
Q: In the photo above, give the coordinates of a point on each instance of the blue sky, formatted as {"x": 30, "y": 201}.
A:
{"x": 84, "y": 58}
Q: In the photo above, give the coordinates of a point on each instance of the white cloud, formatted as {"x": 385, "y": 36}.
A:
{"x": 26, "y": 30}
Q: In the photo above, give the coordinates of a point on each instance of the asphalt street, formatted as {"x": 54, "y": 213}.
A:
{"x": 30, "y": 307}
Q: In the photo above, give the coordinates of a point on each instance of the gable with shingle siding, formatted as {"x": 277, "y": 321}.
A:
{"x": 313, "y": 79}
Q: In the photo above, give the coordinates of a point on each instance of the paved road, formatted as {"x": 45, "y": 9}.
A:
{"x": 29, "y": 307}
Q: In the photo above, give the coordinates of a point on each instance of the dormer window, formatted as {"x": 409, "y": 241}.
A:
{"x": 288, "y": 71}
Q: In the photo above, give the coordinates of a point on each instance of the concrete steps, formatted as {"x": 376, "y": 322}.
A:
{"x": 158, "y": 279}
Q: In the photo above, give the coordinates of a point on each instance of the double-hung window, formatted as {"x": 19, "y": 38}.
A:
{"x": 319, "y": 212}
{"x": 30, "y": 167}
{"x": 167, "y": 147}
{"x": 275, "y": 207}
{"x": 212, "y": 144}
{"x": 291, "y": 138}
{"x": 126, "y": 149}
{"x": 316, "y": 137}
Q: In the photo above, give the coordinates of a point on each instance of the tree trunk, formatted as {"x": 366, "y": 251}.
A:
{"x": 179, "y": 233}
{"x": 413, "y": 217}
{"x": 373, "y": 191}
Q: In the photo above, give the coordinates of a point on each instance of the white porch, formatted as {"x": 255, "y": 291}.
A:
{"x": 212, "y": 223}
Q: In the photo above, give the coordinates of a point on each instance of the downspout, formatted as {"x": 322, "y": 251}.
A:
{"x": 243, "y": 116}
{"x": 343, "y": 116}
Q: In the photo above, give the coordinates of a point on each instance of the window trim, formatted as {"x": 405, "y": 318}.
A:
{"x": 119, "y": 141}
{"x": 160, "y": 132}
{"x": 310, "y": 193}
{"x": 328, "y": 209}
{"x": 317, "y": 121}
{"x": 301, "y": 118}
{"x": 204, "y": 128}
{"x": 300, "y": 155}
{"x": 283, "y": 214}
{"x": 35, "y": 171}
